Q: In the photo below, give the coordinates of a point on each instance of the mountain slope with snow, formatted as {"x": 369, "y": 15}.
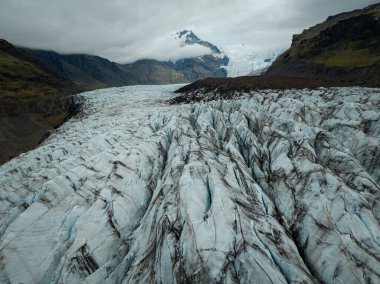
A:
{"x": 270, "y": 187}
{"x": 238, "y": 60}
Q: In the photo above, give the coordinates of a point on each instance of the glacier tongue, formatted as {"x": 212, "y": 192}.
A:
{"x": 270, "y": 187}
{"x": 245, "y": 60}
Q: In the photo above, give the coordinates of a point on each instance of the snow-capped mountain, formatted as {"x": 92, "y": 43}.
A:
{"x": 205, "y": 60}
{"x": 245, "y": 60}
{"x": 240, "y": 59}
{"x": 188, "y": 37}
{"x": 271, "y": 187}
{"x": 208, "y": 65}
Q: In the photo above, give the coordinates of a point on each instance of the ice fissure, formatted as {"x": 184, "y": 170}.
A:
{"x": 266, "y": 187}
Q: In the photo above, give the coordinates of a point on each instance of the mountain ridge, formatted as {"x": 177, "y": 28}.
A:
{"x": 33, "y": 100}
{"x": 91, "y": 72}
{"x": 345, "y": 47}
{"x": 191, "y": 38}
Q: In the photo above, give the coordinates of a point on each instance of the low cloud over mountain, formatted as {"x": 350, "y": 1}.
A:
{"x": 125, "y": 31}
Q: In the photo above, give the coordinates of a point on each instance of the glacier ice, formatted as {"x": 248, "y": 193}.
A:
{"x": 268, "y": 187}
{"x": 244, "y": 59}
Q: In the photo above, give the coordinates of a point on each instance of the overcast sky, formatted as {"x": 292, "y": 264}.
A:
{"x": 127, "y": 30}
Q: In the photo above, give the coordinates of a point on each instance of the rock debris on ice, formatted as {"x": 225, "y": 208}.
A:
{"x": 269, "y": 187}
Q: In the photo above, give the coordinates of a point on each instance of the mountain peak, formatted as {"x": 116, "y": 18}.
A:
{"x": 190, "y": 38}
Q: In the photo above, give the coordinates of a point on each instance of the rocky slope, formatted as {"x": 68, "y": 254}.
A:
{"x": 189, "y": 38}
{"x": 33, "y": 100}
{"x": 267, "y": 187}
{"x": 181, "y": 71}
{"x": 87, "y": 71}
{"x": 149, "y": 71}
{"x": 345, "y": 47}
{"x": 227, "y": 88}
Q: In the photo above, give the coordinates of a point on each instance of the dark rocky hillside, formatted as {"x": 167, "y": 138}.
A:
{"x": 150, "y": 71}
{"x": 90, "y": 72}
{"x": 203, "y": 67}
{"x": 345, "y": 47}
{"x": 228, "y": 88}
{"x": 191, "y": 38}
{"x": 33, "y": 100}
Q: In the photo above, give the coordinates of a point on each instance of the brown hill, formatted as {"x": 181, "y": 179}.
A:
{"x": 345, "y": 47}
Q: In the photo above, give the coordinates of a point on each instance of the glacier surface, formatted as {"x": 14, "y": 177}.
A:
{"x": 268, "y": 187}
{"x": 244, "y": 60}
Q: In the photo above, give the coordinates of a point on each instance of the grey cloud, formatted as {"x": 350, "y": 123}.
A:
{"x": 128, "y": 30}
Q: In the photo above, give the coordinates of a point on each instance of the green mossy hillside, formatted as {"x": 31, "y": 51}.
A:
{"x": 345, "y": 47}
{"x": 25, "y": 80}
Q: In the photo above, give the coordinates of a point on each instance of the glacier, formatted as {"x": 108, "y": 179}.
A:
{"x": 265, "y": 187}
{"x": 244, "y": 59}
